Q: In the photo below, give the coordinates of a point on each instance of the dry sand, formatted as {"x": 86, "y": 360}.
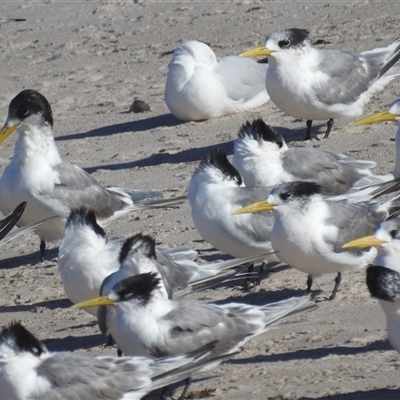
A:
{"x": 91, "y": 60}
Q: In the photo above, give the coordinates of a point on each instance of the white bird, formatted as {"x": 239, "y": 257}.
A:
{"x": 50, "y": 184}
{"x": 199, "y": 86}
{"x": 263, "y": 158}
{"x": 29, "y": 371}
{"x": 87, "y": 260}
{"x": 214, "y": 192}
{"x": 145, "y": 322}
{"x": 320, "y": 84}
{"x": 383, "y": 277}
{"x": 310, "y": 229}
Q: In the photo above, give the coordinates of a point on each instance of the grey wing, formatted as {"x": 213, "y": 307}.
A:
{"x": 76, "y": 188}
{"x": 336, "y": 173}
{"x": 73, "y": 376}
{"x": 243, "y": 78}
{"x": 191, "y": 325}
{"x": 260, "y": 225}
{"x": 353, "y": 221}
{"x": 349, "y": 76}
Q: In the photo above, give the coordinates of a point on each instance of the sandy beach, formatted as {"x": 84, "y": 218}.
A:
{"x": 91, "y": 60}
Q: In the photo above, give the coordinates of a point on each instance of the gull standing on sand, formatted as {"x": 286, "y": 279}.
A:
{"x": 383, "y": 277}
{"x": 310, "y": 229}
{"x": 87, "y": 260}
{"x": 50, "y": 184}
{"x": 263, "y": 158}
{"x": 29, "y": 371}
{"x": 145, "y": 322}
{"x": 320, "y": 84}
{"x": 199, "y": 86}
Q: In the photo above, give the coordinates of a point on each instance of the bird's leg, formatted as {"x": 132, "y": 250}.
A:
{"x": 308, "y": 135}
{"x": 328, "y": 128}
{"x": 261, "y": 273}
{"x": 338, "y": 279}
{"x": 188, "y": 382}
{"x": 309, "y": 283}
{"x": 249, "y": 271}
{"x": 42, "y": 249}
{"x": 163, "y": 393}
{"x": 119, "y": 352}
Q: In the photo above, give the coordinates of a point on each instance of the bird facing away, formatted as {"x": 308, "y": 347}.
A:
{"x": 29, "y": 371}
{"x": 199, "y": 86}
{"x": 310, "y": 228}
{"x": 50, "y": 184}
{"x": 88, "y": 259}
{"x": 383, "y": 277}
{"x": 321, "y": 84}
{"x": 145, "y": 322}
{"x": 263, "y": 158}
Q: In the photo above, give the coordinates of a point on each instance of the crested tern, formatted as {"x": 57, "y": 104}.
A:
{"x": 201, "y": 86}
{"x": 321, "y": 84}
{"x": 50, "y": 184}
{"x": 310, "y": 229}
{"x": 214, "y": 192}
{"x": 29, "y": 371}
{"x": 263, "y": 158}
{"x": 145, "y": 322}
{"x": 383, "y": 277}
{"x": 88, "y": 260}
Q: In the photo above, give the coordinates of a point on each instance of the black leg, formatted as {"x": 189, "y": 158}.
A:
{"x": 261, "y": 273}
{"x": 163, "y": 393}
{"x": 308, "y": 135}
{"x": 309, "y": 283}
{"x": 328, "y": 128}
{"x": 119, "y": 352}
{"x": 338, "y": 279}
{"x": 188, "y": 381}
{"x": 249, "y": 271}
{"x": 42, "y": 249}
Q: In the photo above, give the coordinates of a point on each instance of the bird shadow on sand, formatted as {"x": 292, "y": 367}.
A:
{"x": 190, "y": 155}
{"x": 50, "y": 304}
{"x": 158, "y": 121}
{"x": 32, "y": 260}
{"x": 72, "y": 343}
{"x": 314, "y": 354}
{"x": 381, "y": 394}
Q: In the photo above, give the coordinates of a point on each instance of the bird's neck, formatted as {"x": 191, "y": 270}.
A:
{"x": 35, "y": 144}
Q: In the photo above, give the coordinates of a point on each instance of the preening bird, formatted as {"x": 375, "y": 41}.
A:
{"x": 201, "y": 86}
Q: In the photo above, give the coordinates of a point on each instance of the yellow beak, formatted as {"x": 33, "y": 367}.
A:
{"x": 366, "y": 241}
{"x": 256, "y": 207}
{"x": 376, "y": 118}
{"x": 6, "y": 131}
{"x": 96, "y": 302}
{"x": 257, "y": 52}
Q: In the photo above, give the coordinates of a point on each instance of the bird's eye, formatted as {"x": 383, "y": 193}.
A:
{"x": 24, "y": 112}
{"x": 284, "y": 43}
{"x": 284, "y": 196}
{"x": 393, "y": 233}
